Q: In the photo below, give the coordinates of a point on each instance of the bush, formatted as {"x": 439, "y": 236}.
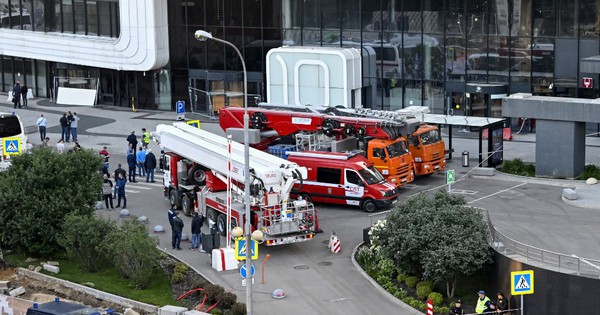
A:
{"x": 216, "y": 311}
{"x": 227, "y": 300}
{"x": 423, "y": 291}
{"x": 238, "y": 309}
{"x": 214, "y": 293}
{"x": 408, "y": 300}
{"x": 401, "y": 277}
{"x": 411, "y": 281}
{"x": 133, "y": 251}
{"x": 383, "y": 280}
{"x": 366, "y": 257}
{"x": 437, "y": 298}
{"x": 517, "y": 167}
{"x": 441, "y": 310}
{"x": 590, "y": 171}
{"x": 386, "y": 267}
{"x": 82, "y": 236}
{"x": 401, "y": 294}
{"x": 425, "y": 283}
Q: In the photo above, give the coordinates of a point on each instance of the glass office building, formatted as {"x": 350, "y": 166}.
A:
{"x": 463, "y": 55}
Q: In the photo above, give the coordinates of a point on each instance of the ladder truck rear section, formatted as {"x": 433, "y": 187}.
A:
{"x": 196, "y": 168}
{"x": 381, "y": 140}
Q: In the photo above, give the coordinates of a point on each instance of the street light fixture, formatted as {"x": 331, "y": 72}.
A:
{"x": 202, "y": 36}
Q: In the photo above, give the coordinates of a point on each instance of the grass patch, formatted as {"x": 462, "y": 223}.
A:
{"x": 590, "y": 170}
{"x": 517, "y": 167}
{"x": 107, "y": 279}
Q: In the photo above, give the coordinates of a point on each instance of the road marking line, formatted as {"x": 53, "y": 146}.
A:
{"x": 498, "y": 192}
{"x": 142, "y": 187}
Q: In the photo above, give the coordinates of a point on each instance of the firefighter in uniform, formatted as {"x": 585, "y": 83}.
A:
{"x": 483, "y": 303}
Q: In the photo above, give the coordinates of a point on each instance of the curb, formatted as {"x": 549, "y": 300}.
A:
{"x": 533, "y": 180}
{"x": 190, "y": 266}
{"x": 407, "y": 308}
{"x": 125, "y": 302}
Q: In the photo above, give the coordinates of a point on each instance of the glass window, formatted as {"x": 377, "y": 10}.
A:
{"x": 195, "y": 12}
{"x": 589, "y": 18}
{"x": 350, "y": 17}
{"x": 252, "y": 13}
{"x": 10, "y": 126}
{"x": 476, "y": 17}
{"x": 233, "y": 12}
{"x": 544, "y": 19}
{"x": 92, "y": 17}
{"x": 520, "y": 61}
{"x": 7, "y": 70}
{"x": 80, "y": 12}
{"x": 292, "y": 14}
{"x": 521, "y": 18}
{"x": 329, "y": 175}
{"x": 26, "y": 15}
{"x": 38, "y": 14}
{"x": 396, "y": 149}
{"x": 353, "y": 178}
{"x": 456, "y": 58}
{"x": 104, "y": 18}
{"x": 410, "y": 20}
{"x": 67, "y": 16}
{"x": 311, "y": 14}
{"x": 271, "y": 13}
{"x": 500, "y": 17}
{"x": 214, "y": 12}
{"x": 433, "y": 16}
{"x": 371, "y": 175}
{"x": 42, "y": 85}
{"x": 455, "y": 18}
{"x": 566, "y": 19}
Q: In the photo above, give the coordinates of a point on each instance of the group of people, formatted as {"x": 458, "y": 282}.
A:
{"x": 68, "y": 122}
{"x": 19, "y": 93}
{"x": 177, "y": 229}
{"x": 145, "y": 163}
{"x": 110, "y": 191}
{"x": 484, "y": 305}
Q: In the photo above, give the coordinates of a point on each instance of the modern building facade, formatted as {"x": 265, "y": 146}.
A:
{"x": 463, "y": 55}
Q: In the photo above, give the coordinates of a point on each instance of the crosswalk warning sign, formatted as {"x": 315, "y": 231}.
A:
{"x": 11, "y": 146}
{"x": 521, "y": 282}
{"x": 241, "y": 249}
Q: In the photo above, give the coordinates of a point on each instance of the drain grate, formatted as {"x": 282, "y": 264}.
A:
{"x": 325, "y": 263}
{"x": 301, "y": 267}
{"x": 325, "y": 242}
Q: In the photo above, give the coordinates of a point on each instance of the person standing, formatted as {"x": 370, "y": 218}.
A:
{"x": 107, "y": 186}
{"x": 132, "y": 140}
{"x": 42, "y": 124}
{"x": 105, "y": 168}
{"x": 457, "y": 308}
{"x": 197, "y": 222}
{"x": 16, "y": 95}
{"x": 131, "y": 163}
{"x": 141, "y": 160}
{"x": 60, "y": 146}
{"x": 64, "y": 124}
{"x": 150, "y": 166}
{"x": 171, "y": 215}
{"x": 502, "y": 304}
{"x": 120, "y": 185}
{"x": 24, "y": 90}
{"x": 145, "y": 138}
{"x": 177, "y": 231}
{"x": 483, "y": 303}
{"x": 104, "y": 153}
{"x": 69, "y": 120}
{"x": 118, "y": 171}
{"x": 74, "y": 124}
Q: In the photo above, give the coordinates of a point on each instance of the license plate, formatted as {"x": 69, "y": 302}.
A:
{"x": 436, "y": 167}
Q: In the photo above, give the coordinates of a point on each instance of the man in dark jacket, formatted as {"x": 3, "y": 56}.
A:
{"x": 457, "y": 308}
{"x": 131, "y": 162}
{"x": 16, "y": 94}
{"x": 150, "y": 166}
{"x": 24, "y": 89}
{"x": 197, "y": 222}
{"x": 118, "y": 171}
{"x": 64, "y": 124}
{"x": 502, "y": 304}
{"x": 132, "y": 140}
{"x": 177, "y": 230}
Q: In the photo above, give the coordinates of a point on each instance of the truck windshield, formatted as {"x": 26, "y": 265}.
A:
{"x": 431, "y": 136}
{"x": 396, "y": 149}
{"x": 371, "y": 175}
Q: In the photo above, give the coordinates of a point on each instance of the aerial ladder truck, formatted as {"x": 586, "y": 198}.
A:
{"x": 199, "y": 164}
{"x": 381, "y": 140}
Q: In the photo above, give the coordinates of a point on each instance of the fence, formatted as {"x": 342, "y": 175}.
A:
{"x": 207, "y": 103}
{"x": 569, "y": 264}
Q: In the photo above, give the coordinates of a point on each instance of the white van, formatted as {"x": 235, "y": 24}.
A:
{"x": 11, "y": 126}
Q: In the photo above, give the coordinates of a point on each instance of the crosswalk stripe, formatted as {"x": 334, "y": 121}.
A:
{"x": 141, "y": 187}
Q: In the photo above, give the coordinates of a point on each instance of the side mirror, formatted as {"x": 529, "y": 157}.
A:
{"x": 361, "y": 183}
{"x": 382, "y": 158}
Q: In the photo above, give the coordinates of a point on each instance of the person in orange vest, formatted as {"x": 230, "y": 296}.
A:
{"x": 483, "y": 303}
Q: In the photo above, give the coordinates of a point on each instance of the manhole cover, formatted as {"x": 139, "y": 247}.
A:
{"x": 102, "y": 143}
{"x": 301, "y": 267}
{"x": 325, "y": 263}
{"x": 325, "y": 242}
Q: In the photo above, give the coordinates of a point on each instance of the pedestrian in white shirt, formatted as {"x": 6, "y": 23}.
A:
{"x": 60, "y": 146}
{"x": 74, "y": 124}
{"x": 42, "y": 123}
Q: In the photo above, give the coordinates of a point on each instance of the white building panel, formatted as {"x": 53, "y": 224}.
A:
{"x": 142, "y": 45}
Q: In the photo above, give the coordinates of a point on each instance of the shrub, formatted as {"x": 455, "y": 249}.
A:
{"x": 401, "y": 294}
{"x": 178, "y": 277}
{"x": 441, "y": 310}
{"x": 214, "y": 293}
{"x": 408, "y": 300}
{"x": 426, "y": 283}
{"x": 383, "y": 279}
{"x": 238, "y": 309}
{"x": 517, "y": 167}
{"x": 401, "y": 277}
{"x": 436, "y": 298}
{"x": 366, "y": 257}
{"x": 411, "y": 281}
{"x": 386, "y": 267}
{"x": 590, "y": 171}
{"x": 227, "y": 300}
{"x": 423, "y": 291}
{"x": 216, "y": 311}
{"x": 82, "y": 236}
{"x": 133, "y": 251}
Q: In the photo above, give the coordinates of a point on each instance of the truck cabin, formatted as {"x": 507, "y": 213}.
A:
{"x": 425, "y": 135}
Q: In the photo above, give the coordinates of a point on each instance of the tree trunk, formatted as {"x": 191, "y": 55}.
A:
{"x": 450, "y": 287}
{"x": 2, "y": 263}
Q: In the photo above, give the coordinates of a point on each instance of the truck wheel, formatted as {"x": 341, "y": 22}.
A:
{"x": 222, "y": 224}
{"x": 211, "y": 215}
{"x": 186, "y": 205}
{"x": 197, "y": 175}
{"x": 369, "y": 205}
{"x": 173, "y": 198}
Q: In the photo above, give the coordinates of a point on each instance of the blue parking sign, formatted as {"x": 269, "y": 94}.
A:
{"x": 180, "y": 107}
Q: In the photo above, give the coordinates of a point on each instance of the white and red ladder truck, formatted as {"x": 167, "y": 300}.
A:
{"x": 381, "y": 140}
{"x": 196, "y": 165}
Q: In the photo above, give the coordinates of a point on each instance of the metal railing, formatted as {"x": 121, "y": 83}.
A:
{"x": 546, "y": 259}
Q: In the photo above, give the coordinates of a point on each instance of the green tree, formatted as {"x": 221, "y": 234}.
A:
{"x": 133, "y": 251}
{"x": 439, "y": 237}
{"x": 38, "y": 190}
{"x": 82, "y": 235}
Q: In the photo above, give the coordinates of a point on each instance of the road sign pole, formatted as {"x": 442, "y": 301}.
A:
{"x": 522, "y": 307}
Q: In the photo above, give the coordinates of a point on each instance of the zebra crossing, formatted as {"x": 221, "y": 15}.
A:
{"x": 142, "y": 186}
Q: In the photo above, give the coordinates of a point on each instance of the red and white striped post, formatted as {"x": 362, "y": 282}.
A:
{"x": 429, "y": 307}
{"x": 228, "y": 227}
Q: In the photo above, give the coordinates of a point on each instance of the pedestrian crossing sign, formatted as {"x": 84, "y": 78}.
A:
{"x": 194, "y": 123}
{"x": 11, "y": 146}
{"x": 240, "y": 249}
{"x": 521, "y": 282}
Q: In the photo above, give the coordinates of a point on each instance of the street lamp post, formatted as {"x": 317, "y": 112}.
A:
{"x": 202, "y": 35}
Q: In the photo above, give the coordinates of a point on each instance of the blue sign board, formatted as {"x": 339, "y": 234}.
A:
{"x": 244, "y": 273}
{"x": 11, "y": 146}
{"x": 521, "y": 282}
{"x": 180, "y": 107}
